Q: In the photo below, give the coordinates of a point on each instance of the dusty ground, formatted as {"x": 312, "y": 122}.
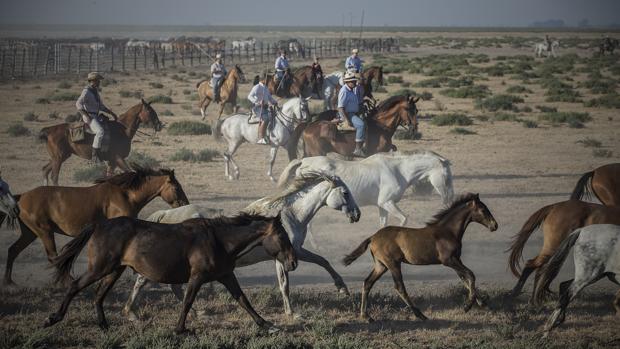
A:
{"x": 515, "y": 169}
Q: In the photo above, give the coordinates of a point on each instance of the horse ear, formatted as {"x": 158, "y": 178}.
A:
{"x": 143, "y": 101}
{"x": 416, "y": 100}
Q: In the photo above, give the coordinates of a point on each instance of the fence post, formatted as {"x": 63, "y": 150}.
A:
{"x": 144, "y": 54}
{"x": 183, "y": 57}
{"x": 79, "y": 60}
{"x": 2, "y": 63}
{"x": 199, "y": 56}
{"x": 47, "y": 59}
{"x": 112, "y": 58}
{"x": 123, "y": 57}
{"x": 163, "y": 57}
{"x": 14, "y": 61}
{"x": 155, "y": 59}
{"x": 36, "y": 59}
{"x": 135, "y": 58}
{"x": 191, "y": 56}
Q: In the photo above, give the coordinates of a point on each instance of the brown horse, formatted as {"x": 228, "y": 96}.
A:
{"x": 60, "y": 147}
{"x": 228, "y": 91}
{"x": 381, "y": 125}
{"x": 67, "y": 210}
{"x": 604, "y": 182}
{"x": 368, "y": 76}
{"x": 194, "y": 252}
{"x": 440, "y": 242}
{"x": 558, "y": 221}
{"x": 304, "y": 83}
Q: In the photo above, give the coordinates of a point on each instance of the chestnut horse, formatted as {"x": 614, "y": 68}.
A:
{"x": 440, "y": 242}
{"x": 67, "y": 210}
{"x": 60, "y": 147}
{"x": 558, "y": 221}
{"x": 304, "y": 83}
{"x": 381, "y": 125}
{"x": 228, "y": 91}
{"x": 603, "y": 182}
{"x": 194, "y": 252}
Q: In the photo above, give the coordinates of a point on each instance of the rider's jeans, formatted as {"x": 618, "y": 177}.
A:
{"x": 359, "y": 125}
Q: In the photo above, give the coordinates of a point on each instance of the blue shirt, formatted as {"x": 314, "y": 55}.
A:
{"x": 348, "y": 99}
{"x": 281, "y": 63}
{"x": 353, "y": 62}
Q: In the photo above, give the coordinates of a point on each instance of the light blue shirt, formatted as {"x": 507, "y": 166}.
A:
{"x": 353, "y": 62}
{"x": 281, "y": 63}
{"x": 348, "y": 99}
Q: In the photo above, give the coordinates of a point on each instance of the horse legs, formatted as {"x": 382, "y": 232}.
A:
{"x": 402, "y": 291}
{"x": 383, "y": 217}
{"x": 394, "y": 210}
{"x": 232, "y": 285}
{"x": 273, "y": 152}
{"x": 193, "y": 286}
{"x": 376, "y": 273}
{"x": 120, "y": 162}
{"x": 56, "y": 170}
{"x": 46, "y": 172}
{"x": 228, "y": 157}
{"x": 537, "y": 294}
{"x": 617, "y": 303}
{"x": 128, "y": 310}
{"x": 203, "y": 107}
{"x": 307, "y": 256}
{"x": 468, "y": 278}
{"x": 102, "y": 291}
{"x": 25, "y": 239}
{"x": 283, "y": 283}
{"x": 568, "y": 291}
{"x": 525, "y": 273}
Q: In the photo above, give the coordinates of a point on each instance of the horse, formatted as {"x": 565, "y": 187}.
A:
{"x": 310, "y": 80}
{"x": 558, "y": 221}
{"x": 194, "y": 252}
{"x": 240, "y": 45}
{"x": 333, "y": 82}
{"x": 597, "y": 255}
{"x": 541, "y": 48}
{"x": 381, "y": 179}
{"x": 608, "y": 46}
{"x": 61, "y": 147}
{"x": 603, "y": 182}
{"x": 228, "y": 91}
{"x": 236, "y": 129}
{"x": 303, "y": 83}
{"x": 66, "y": 210}
{"x": 297, "y": 205}
{"x": 8, "y": 203}
{"x": 381, "y": 125}
{"x": 440, "y": 242}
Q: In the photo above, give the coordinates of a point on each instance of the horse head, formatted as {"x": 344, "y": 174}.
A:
{"x": 480, "y": 213}
{"x": 340, "y": 198}
{"x": 240, "y": 74}
{"x": 171, "y": 190}
{"x": 148, "y": 115}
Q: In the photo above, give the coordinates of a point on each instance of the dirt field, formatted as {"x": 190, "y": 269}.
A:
{"x": 518, "y": 160}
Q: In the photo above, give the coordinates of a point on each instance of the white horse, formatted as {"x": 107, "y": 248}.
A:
{"x": 381, "y": 179}
{"x": 541, "y": 48}
{"x": 8, "y": 204}
{"x": 236, "y": 129}
{"x": 241, "y": 45}
{"x": 297, "y": 205}
{"x": 331, "y": 84}
{"x": 596, "y": 255}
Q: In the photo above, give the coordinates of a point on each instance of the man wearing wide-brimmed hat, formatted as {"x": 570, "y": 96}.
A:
{"x": 218, "y": 72}
{"x": 348, "y": 109}
{"x": 353, "y": 63}
{"x": 89, "y": 105}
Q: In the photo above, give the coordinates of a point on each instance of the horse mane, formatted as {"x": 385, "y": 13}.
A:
{"x": 136, "y": 178}
{"x": 390, "y": 102}
{"x": 299, "y": 183}
{"x": 456, "y": 203}
{"x": 242, "y": 219}
{"x": 408, "y": 153}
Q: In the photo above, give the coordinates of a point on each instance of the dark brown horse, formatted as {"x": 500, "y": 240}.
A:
{"x": 304, "y": 83}
{"x": 603, "y": 182}
{"x": 381, "y": 125}
{"x": 194, "y": 252}
{"x": 558, "y": 221}
{"x": 440, "y": 242}
{"x": 228, "y": 91}
{"x": 60, "y": 147}
{"x": 67, "y": 210}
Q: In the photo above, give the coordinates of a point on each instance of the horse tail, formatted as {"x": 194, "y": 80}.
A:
{"x": 351, "y": 257}
{"x": 64, "y": 261}
{"x": 518, "y": 241}
{"x": 217, "y": 133}
{"x": 552, "y": 268}
{"x": 583, "y": 188}
{"x": 42, "y": 136}
{"x": 291, "y": 145}
{"x": 288, "y": 172}
{"x": 11, "y": 222}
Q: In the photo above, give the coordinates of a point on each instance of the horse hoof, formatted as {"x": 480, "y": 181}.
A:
{"x": 131, "y": 316}
{"x": 273, "y": 329}
{"x": 51, "y": 320}
{"x": 104, "y": 326}
{"x": 468, "y": 306}
{"x": 367, "y": 318}
{"x": 420, "y": 316}
{"x": 180, "y": 331}
{"x": 344, "y": 290}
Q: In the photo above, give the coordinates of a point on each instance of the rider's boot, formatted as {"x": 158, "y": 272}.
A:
{"x": 96, "y": 156}
{"x": 359, "y": 152}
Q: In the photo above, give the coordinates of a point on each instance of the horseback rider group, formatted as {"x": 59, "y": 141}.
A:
{"x": 90, "y": 106}
{"x": 218, "y": 73}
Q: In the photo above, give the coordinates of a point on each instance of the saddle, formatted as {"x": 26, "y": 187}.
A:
{"x": 78, "y": 130}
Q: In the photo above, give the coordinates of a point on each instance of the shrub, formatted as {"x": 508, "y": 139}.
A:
{"x": 573, "y": 119}
{"x": 186, "y": 92}
{"x": 462, "y": 131}
{"x": 426, "y": 96}
{"x": 17, "y": 130}
{"x": 189, "y": 128}
{"x": 166, "y": 112}
{"x": 130, "y": 94}
{"x": 53, "y": 115}
{"x": 42, "y": 100}
{"x": 73, "y": 117}
{"x": 476, "y": 91}
{"x": 31, "y": 116}
{"x": 505, "y": 117}
{"x": 499, "y": 102}
{"x": 530, "y": 124}
{"x": 602, "y": 153}
{"x": 205, "y": 155}
{"x": 407, "y": 135}
{"x": 108, "y": 81}
{"x": 143, "y": 160}
{"x": 156, "y": 85}
{"x": 64, "y": 96}
{"x": 590, "y": 143}
{"x": 64, "y": 84}
{"x": 90, "y": 173}
{"x": 163, "y": 99}
{"x": 433, "y": 83}
{"x": 394, "y": 79}
{"x": 611, "y": 100}
{"x": 518, "y": 89}
{"x": 186, "y": 107}
{"x": 546, "y": 109}
{"x": 451, "y": 119}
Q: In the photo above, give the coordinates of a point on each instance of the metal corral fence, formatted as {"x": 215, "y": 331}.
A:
{"x": 20, "y": 59}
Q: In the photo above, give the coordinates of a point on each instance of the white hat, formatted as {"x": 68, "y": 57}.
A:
{"x": 219, "y": 55}
{"x": 354, "y": 50}
{"x": 350, "y": 77}
{"x": 94, "y": 76}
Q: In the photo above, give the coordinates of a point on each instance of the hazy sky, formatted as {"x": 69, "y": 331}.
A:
{"x": 308, "y": 12}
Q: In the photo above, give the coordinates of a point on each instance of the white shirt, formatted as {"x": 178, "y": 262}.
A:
{"x": 260, "y": 95}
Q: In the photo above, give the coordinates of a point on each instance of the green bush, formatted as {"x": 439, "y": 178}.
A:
{"x": 433, "y": 83}
{"x": 462, "y": 131}
{"x": 505, "y": 117}
{"x": 394, "y": 79}
{"x": 163, "y": 99}
{"x": 42, "y": 100}
{"x": 64, "y": 96}
{"x": 64, "y": 85}
{"x": 573, "y": 119}
{"x": 166, "y": 112}
{"x": 407, "y": 135}
{"x": 17, "y": 130}
{"x": 205, "y": 155}
{"x": 426, "y": 96}
{"x": 602, "y": 153}
{"x": 530, "y": 124}
{"x": 518, "y": 89}
{"x": 499, "y": 102}
{"x": 189, "y": 128}
{"x": 611, "y": 100}
{"x": 143, "y": 160}
{"x": 89, "y": 173}
{"x": 186, "y": 92}
{"x": 476, "y": 91}
{"x": 590, "y": 143}
{"x": 31, "y": 116}
{"x": 451, "y": 119}
{"x": 546, "y": 109}
{"x": 156, "y": 85}
{"x": 53, "y": 115}
{"x": 130, "y": 94}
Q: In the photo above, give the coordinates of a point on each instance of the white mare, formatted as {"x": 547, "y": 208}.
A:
{"x": 596, "y": 255}
{"x": 236, "y": 130}
{"x": 330, "y": 83}
{"x": 381, "y": 179}
{"x": 541, "y": 48}
{"x": 297, "y": 205}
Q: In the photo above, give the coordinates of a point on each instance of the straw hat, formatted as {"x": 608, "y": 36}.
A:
{"x": 355, "y": 50}
{"x": 218, "y": 56}
{"x": 350, "y": 77}
{"x": 94, "y": 76}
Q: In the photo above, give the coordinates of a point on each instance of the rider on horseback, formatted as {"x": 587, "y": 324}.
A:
{"x": 349, "y": 100}
{"x": 89, "y": 105}
{"x": 261, "y": 98}
{"x": 218, "y": 72}
{"x": 282, "y": 70}
{"x": 353, "y": 63}
{"x": 548, "y": 42}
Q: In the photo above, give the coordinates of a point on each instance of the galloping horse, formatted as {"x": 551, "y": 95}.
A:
{"x": 440, "y": 242}
{"x": 304, "y": 83}
{"x": 67, "y": 210}
{"x": 333, "y": 82}
{"x": 541, "y": 48}
{"x": 60, "y": 147}
{"x": 237, "y": 129}
{"x": 8, "y": 204}
{"x": 196, "y": 251}
{"x": 558, "y": 221}
{"x": 381, "y": 125}
{"x": 603, "y": 182}
{"x": 228, "y": 91}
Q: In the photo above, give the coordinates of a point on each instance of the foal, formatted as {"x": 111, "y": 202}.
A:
{"x": 437, "y": 243}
